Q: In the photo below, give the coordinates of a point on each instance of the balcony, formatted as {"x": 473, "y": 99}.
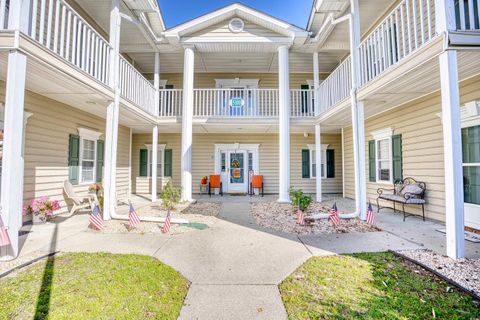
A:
{"x": 237, "y": 103}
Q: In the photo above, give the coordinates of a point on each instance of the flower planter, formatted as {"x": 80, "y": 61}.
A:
{"x": 39, "y": 219}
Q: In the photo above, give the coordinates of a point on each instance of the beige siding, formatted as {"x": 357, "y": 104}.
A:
{"x": 46, "y": 147}
{"x": 422, "y": 147}
{"x": 207, "y": 80}
{"x": 203, "y": 159}
{"x": 250, "y": 31}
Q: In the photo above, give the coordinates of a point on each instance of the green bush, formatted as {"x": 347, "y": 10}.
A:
{"x": 170, "y": 195}
{"x": 299, "y": 199}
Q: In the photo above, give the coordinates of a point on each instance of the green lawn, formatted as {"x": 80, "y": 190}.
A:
{"x": 371, "y": 286}
{"x": 94, "y": 286}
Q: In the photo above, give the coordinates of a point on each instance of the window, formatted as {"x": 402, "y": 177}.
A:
{"x": 471, "y": 164}
{"x": 88, "y": 141}
{"x": 223, "y": 162}
{"x": 384, "y": 160}
{"x": 385, "y": 157}
{"x": 160, "y": 160}
{"x": 250, "y": 161}
{"x": 326, "y": 167}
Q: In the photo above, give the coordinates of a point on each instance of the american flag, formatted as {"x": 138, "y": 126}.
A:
{"x": 166, "y": 225}
{"x": 95, "y": 219}
{"x": 333, "y": 215}
{"x": 370, "y": 214}
{"x": 4, "y": 239}
{"x": 133, "y": 219}
{"x": 300, "y": 217}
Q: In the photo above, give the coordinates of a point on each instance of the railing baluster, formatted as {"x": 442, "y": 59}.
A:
{"x": 462, "y": 15}
{"x": 69, "y": 29}
{"x": 49, "y": 23}
{"x": 62, "y": 31}
{"x": 55, "y": 27}
{"x": 33, "y": 31}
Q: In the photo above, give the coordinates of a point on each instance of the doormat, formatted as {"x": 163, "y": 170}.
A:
{"x": 469, "y": 236}
{"x": 236, "y": 194}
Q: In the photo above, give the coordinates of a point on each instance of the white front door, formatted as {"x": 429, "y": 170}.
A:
{"x": 237, "y": 171}
{"x": 471, "y": 175}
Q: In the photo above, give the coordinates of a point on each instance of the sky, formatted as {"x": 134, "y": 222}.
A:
{"x": 178, "y": 11}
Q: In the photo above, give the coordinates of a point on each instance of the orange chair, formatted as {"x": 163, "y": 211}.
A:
{"x": 215, "y": 183}
{"x": 256, "y": 183}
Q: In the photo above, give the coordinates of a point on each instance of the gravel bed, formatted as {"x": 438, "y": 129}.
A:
{"x": 466, "y": 272}
{"x": 282, "y": 217}
{"x": 202, "y": 213}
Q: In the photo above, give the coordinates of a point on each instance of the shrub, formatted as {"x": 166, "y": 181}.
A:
{"x": 299, "y": 199}
{"x": 170, "y": 195}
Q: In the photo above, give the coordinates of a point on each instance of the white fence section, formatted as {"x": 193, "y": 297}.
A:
{"x": 137, "y": 89}
{"x": 301, "y": 103}
{"x": 58, "y": 27}
{"x": 171, "y": 102}
{"x": 410, "y": 25}
{"x": 467, "y": 14}
{"x": 337, "y": 86}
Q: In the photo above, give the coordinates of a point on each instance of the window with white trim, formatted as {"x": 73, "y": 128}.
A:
{"x": 88, "y": 155}
{"x": 383, "y": 155}
{"x": 160, "y": 162}
{"x": 313, "y": 161}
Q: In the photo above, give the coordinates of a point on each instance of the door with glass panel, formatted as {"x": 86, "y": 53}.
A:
{"x": 471, "y": 175}
{"x": 237, "y": 180}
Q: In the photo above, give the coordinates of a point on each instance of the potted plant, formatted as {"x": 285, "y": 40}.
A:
{"x": 41, "y": 209}
{"x": 204, "y": 180}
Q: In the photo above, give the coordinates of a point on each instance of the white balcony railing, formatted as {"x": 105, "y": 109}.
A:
{"x": 467, "y": 14}
{"x": 236, "y": 103}
{"x": 337, "y": 86}
{"x": 407, "y": 28}
{"x": 137, "y": 89}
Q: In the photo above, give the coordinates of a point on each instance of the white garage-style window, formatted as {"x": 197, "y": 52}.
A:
{"x": 313, "y": 160}
{"x": 383, "y": 155}
{"x": 160, "y": 158}
{"x": 88, "y": 154}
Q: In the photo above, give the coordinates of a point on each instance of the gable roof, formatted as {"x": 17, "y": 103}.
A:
{"x": 241, "y": 11}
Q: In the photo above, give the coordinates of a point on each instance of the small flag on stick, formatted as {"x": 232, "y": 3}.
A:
{"x": 300, "y": 217}
{"x": 4, "y": 239}
{"x": 333, "y": 215}
{"x": 133, "y": 219}
{"x": 96, "y": 219}
{"x": 166, "y": 225}
{"x": 370, "y": 214}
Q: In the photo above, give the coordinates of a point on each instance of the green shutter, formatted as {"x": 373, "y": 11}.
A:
{"x": 167, "y": 169}
{"x": 143, "y": 162}
{"x": 372, "y": 176}
{"x": 330, "y": 163}
{"x": 305, "y": 163}
{"x": 73, "y": 158}
{"x": 397, "y": 162}
{"x": 100, "y": 159}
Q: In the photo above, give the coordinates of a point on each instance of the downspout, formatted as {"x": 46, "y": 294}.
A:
{"x": 353, "y": 98}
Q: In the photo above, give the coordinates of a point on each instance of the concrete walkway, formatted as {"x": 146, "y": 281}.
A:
{"x": 234, "y": 265}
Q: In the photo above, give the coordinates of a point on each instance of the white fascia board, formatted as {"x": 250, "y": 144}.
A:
{"x": 233, "y": 39}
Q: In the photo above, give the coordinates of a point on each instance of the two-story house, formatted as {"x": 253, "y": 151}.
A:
{"x": 367, "y": 93}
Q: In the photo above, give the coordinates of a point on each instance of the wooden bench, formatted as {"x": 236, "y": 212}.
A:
{"x": 409, "y": 191}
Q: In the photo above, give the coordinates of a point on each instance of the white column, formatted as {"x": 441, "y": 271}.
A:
{"x": 113, "y": 112}
{"x": 12, "y": 163}
{"x": 156, "y": 84}
{"x": 154, "y": 162}
{"x": 318, "y": 163}
{"x": 316, "y": 84}
{"x": 452, "y": 141}
{"x": 284, "y": 124}
{"x": 187, "y": 122}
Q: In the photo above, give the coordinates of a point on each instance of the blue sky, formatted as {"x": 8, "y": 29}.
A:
{"x": 178, "y": 11}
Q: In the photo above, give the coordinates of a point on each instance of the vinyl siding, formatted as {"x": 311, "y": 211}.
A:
{"x": 250, "y": 31}
{"x": 46, "y": 147}
{"x": 422, "y": 147}
{"x": 204, "y": 164}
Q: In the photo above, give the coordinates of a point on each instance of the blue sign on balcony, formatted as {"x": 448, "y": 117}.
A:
{"x": 237, "y": 102}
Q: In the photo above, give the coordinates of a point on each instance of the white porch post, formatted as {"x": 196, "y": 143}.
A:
{"x": 284, "y": 124}
{"x": 358, "y": 126}
{"x": 452, "y": 139}
{"x": 318, "y": 162}
{"x": 187, "y": 122}
{"x": 155, "y": 128}
{"x": 113, "y": 111}
{"x": 318, "y": 142}
{"x": 12, "y": 163}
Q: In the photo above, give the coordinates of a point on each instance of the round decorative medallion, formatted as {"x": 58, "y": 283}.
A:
{"x": 236, "y": 25}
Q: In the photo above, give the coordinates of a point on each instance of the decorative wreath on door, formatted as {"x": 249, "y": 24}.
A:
{"x": 235, "y": 164}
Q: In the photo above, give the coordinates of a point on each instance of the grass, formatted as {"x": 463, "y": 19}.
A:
{"x": 94, "y": 286}
{"x": 371, "y": 286}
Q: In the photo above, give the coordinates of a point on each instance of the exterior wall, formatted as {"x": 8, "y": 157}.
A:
{"x": 422, "y": 147}
{"x": 46, "y": 147}
{"x": 204, "y": 164}
{"x": 250, "y": 31}
{"x": 207, "y": 80}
